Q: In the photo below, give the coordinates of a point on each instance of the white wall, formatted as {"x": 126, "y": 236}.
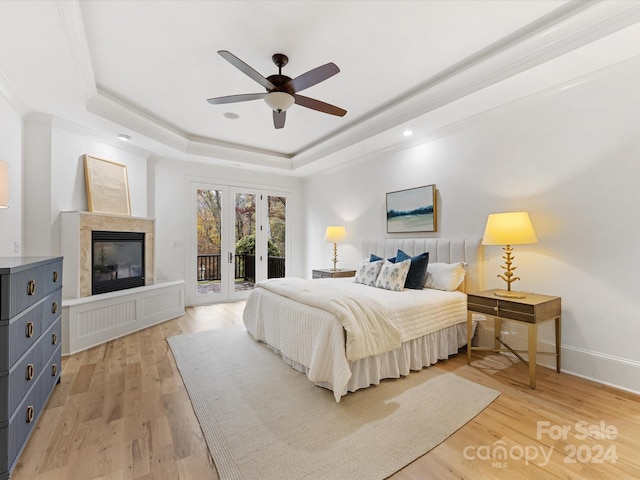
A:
{"x": 11, "y": 152}
{"x": 54, "y": 178}
{"x": 170, "y": 180}
{"x": 54, "y": 182}
{"x": 570, "y": 157}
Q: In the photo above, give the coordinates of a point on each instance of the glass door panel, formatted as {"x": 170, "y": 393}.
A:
{"x": 244, "y": 238}
{"x": 210, "y": 266}
{"x": 276, "y": 235}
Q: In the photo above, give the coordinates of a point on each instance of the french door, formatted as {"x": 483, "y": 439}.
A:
{"x": 239, "y": 238}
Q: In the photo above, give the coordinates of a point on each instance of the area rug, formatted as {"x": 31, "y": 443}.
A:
{"x": 264, "y": 420}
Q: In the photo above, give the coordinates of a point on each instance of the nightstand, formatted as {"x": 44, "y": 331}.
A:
{"x": 531, "y": 311}
{"x": 331, "y": 273}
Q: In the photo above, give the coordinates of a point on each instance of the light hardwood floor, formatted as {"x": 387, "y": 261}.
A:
{"x": 122, "y": 412}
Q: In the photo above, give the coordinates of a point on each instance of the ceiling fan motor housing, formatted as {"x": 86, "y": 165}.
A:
{"x": 281, "y": 83}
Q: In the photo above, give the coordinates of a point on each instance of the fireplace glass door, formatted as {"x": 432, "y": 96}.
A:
{"x": 117, "y": 261}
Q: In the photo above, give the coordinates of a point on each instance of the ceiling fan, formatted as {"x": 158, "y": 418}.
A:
{"x": 282, "y": 91}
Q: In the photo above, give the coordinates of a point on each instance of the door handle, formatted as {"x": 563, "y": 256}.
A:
{"x": 230, "y": 257}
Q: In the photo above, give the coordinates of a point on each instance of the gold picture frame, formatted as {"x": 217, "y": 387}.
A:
{"x": 107, "y": 186}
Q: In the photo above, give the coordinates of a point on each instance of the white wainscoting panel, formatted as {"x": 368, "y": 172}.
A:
{"x": 90, "y": 321}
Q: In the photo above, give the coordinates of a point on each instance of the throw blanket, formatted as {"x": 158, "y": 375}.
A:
{"x": 369, "y": 331}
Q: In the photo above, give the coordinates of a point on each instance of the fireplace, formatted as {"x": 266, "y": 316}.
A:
{"x": 117, "y": 261}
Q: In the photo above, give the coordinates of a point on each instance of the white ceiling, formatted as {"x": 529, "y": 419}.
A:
{"x": 146, "y": 68}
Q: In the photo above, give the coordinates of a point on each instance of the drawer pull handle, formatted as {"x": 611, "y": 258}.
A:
{"x": 30, "y": 371}
{"x": 55, "y": 276}
{"x": 31, "y": 287}
{"x": 54, "y": 338}
{"x": 29, "y": 332}
{"x": 495, "y": 308}
{"x": 30, "y": 412}
{"x": 54, "y": 307}
{"x": 54, "y": 370}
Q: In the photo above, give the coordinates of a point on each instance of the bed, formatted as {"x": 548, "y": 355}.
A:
{"x": 335, "y": 347}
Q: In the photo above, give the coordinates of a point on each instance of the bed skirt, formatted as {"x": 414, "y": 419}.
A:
{"x": 412, "y": 355}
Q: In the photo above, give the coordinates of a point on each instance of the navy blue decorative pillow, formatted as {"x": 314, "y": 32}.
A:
{"x": 418, "y": 270}
{"x": 375, "y": 258}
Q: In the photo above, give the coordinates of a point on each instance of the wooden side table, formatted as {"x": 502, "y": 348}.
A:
{"x": 331, "y": 273}
{"x": 531, "y": 311}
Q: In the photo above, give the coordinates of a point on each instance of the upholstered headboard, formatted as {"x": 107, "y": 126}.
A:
{"x": 446, "y": 250}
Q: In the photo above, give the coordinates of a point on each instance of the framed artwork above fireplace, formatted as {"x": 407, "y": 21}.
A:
{"x": 107, "y": 186}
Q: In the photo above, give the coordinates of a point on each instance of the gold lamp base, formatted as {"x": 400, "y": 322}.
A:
{"x": 508, "y": 294}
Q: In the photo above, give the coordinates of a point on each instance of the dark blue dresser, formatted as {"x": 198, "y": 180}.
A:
{"x": 30, "y": 347}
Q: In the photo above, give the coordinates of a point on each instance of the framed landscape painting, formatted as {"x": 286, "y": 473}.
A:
{"x": 412, "y": 210}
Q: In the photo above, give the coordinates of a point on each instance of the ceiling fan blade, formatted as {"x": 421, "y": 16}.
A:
{"x": 236, "y": 98}
{"x": 318, "y": 105}
{"x": 312, "y": 77}
{"x": 246, "y": 69}
{"x": 279, "y": 118}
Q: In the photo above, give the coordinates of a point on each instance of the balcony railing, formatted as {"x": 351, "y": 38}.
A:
{"x": 209, "y": 267}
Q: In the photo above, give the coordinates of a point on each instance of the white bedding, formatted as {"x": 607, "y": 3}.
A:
{"x": 312, "y": 339}
{"x": 368, "y": 329}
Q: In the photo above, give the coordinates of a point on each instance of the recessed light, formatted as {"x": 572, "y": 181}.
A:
{"x": 407, "y": 133}
{"x": 124, "y": 137}
{"x": 231, "y": 115}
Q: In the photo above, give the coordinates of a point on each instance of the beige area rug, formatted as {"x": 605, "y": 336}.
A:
{"x": 262, "y": 420}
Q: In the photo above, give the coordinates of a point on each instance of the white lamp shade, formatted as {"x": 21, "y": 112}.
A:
{"x": 513, "y": 228}
{"x": 334, "y": 234}
{"x": 4, "y": 184}
{"x": 279, "y": 101}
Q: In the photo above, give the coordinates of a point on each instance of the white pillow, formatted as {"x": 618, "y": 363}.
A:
{"x": 393, "y": 275}
{"x": 368, "y": 272}
{"x": 445, "y": 276}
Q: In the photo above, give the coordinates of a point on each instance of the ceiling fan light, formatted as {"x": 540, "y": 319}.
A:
{"x": 279, "y": 101}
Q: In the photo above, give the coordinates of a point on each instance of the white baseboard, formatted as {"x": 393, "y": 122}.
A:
{"x": 91, "y": 321}
{"x": 609, "y": 370}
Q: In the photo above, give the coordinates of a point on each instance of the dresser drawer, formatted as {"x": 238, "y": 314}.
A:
{"x": 25, "y": 284}
{"x": 53, "y": 275}
{"x": 20, "y": 291}
{"x": 14, "y": 433}
{"x": 488, "y": 306}
{"x": 516, "y": 311}
{"x": 51, "y": 340}
{"x": 52, "y": 308}
{"x": 19, "y": 335}
{"x": 52, "y": 369}
{"x": 22, "y": 376}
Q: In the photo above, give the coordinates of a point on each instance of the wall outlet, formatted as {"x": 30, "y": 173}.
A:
{"x": 178, "y": 244}
{"x": 16, "y": 247}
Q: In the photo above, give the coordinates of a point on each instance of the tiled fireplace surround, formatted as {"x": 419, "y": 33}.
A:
{"x": 77, "y": 228}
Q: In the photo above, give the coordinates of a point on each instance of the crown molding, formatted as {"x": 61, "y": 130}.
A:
{"x": 564, "y": 30}
{"x": 569, "y": 27}
{"x": 73, "y": 26}
{"x": 10, "y": 95}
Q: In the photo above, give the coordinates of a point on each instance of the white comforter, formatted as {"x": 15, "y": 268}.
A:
{"x": 369, "y": 331}
{"x": 312, "y": 339}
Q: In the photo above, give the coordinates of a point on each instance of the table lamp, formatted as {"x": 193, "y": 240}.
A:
{"x": 513, "y": 228}
{"x": 4, "y": 184}
{"x": 334, "y": 234}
